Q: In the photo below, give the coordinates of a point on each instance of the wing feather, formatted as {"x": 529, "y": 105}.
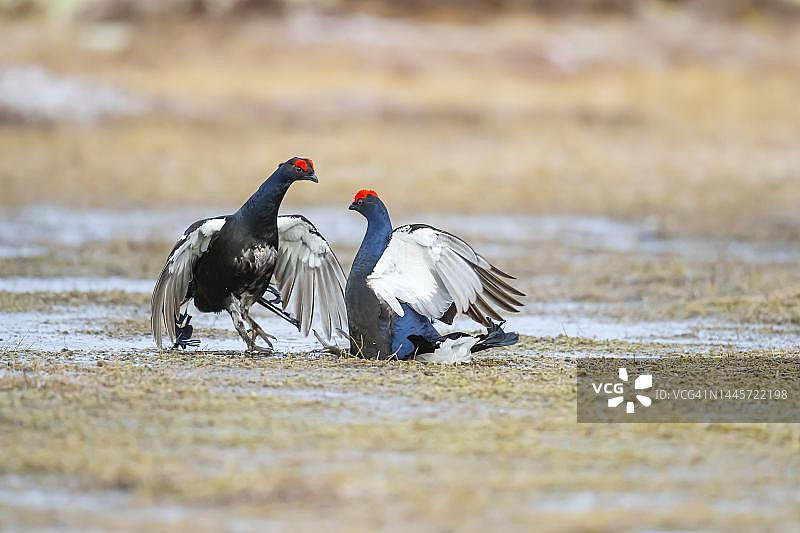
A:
{"x": 504, "y": 299}
{"x": 309, "y": 276}
{"x": 334, "y": 282}
{"x": 300, "y": 291}
{"x": 308, "y": 301}
{"x": 172, "y": 287}
{"x": 432, "y": 270}
{"x": 324, "y": 299}
{"x": 486, "y": 309}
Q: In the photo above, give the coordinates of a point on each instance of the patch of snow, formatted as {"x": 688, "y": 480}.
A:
{"x": 23, "y": 284}
{"x": 33, "y": 93}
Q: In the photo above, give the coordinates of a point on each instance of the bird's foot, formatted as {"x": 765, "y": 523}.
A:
{"x": 258, "y": 332}
{"x": 331, "y": 348}
{"x": 276, "y": 295}
{"x": 183, "y": 333}
{"x": 194, "y": 343}
{"x": 255, "y": 349}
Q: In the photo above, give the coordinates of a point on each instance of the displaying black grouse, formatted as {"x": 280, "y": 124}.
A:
{"x": 227, "y": 263}
{"x": 403, "y": 279}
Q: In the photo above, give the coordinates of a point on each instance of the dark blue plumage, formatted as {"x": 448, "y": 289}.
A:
{"x": 377, "y": 329}
{"x": 380, "y": 330}
{"x": 369, "y": 320}
{"x": 411, "y": 323}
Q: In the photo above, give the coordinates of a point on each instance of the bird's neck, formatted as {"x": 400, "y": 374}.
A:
{"x": 260, "y": 211}
{"x": 379, "y": 231}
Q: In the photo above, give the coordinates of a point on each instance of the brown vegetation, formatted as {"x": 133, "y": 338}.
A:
{"x": 627, "y": 119}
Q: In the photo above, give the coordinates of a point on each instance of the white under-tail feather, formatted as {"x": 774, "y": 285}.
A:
{"x": 451, "y": 351}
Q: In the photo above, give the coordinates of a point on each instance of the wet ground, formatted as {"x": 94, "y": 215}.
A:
{"x": 103, "y": 432}
{"x": 42, "y": 237}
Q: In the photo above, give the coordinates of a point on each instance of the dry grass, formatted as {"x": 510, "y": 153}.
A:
{"x": 657, "y": 287}
{"x": 368, "y": 444}
{"x": 631, "y": 286}
{"x": 463, "y": 119}
{"x": 47, "y": 301}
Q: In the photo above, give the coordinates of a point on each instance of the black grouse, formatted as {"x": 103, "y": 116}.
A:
{"x": 404, "y": 279}
{"x": 227, "y": 263}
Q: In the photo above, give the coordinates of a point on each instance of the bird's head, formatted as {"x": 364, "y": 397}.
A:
{"x": 366, "y": 201}
{"x": 298, "y": 169}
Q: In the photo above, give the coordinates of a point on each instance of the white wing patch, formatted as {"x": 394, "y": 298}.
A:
{"x": 173, "y": 283}
{"x": 309, "y": 276}
{"x": 404, "y": 273}
{"x": 194, "y": 244}
{"x": 431, "y": 270}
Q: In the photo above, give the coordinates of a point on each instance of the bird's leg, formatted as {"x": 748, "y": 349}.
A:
{"x": 257, "y": 331}
{"x": 237, "y": 315}
{"x": 280, "y": 312}
{"x": 184, "y": 330}
{"x": 331, "y": 348}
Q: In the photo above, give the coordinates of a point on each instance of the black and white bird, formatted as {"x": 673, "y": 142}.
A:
{"x": 404, "y": 279}
{"x": 227, "y": 263}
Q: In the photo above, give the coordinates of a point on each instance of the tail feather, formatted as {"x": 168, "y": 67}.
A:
{"x": 457, "y": 347}
{"x": 495, "y": 337}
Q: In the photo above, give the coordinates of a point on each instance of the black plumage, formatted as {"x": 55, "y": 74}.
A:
{"x": 227, "y": 263}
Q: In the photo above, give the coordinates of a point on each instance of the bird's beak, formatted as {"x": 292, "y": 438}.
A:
{"x": 352, "y": 206}
{"x": 313, "y": 177}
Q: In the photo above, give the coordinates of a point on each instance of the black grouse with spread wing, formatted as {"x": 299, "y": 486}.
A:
{"x": 405, "y": 278}
{"x": 227, "y": 263}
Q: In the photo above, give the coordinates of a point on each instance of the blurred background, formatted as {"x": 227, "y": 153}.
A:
{"x": 683, "y": 111}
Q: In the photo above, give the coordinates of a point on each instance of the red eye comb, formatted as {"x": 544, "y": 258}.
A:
{"x": 302, "y": 164}
{"x": 363, "y": 193}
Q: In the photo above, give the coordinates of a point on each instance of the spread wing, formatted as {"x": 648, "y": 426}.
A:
{"x": 172, "y": 287}
{"x": 309, "y": 276}
{"x": 438, "y": 274}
